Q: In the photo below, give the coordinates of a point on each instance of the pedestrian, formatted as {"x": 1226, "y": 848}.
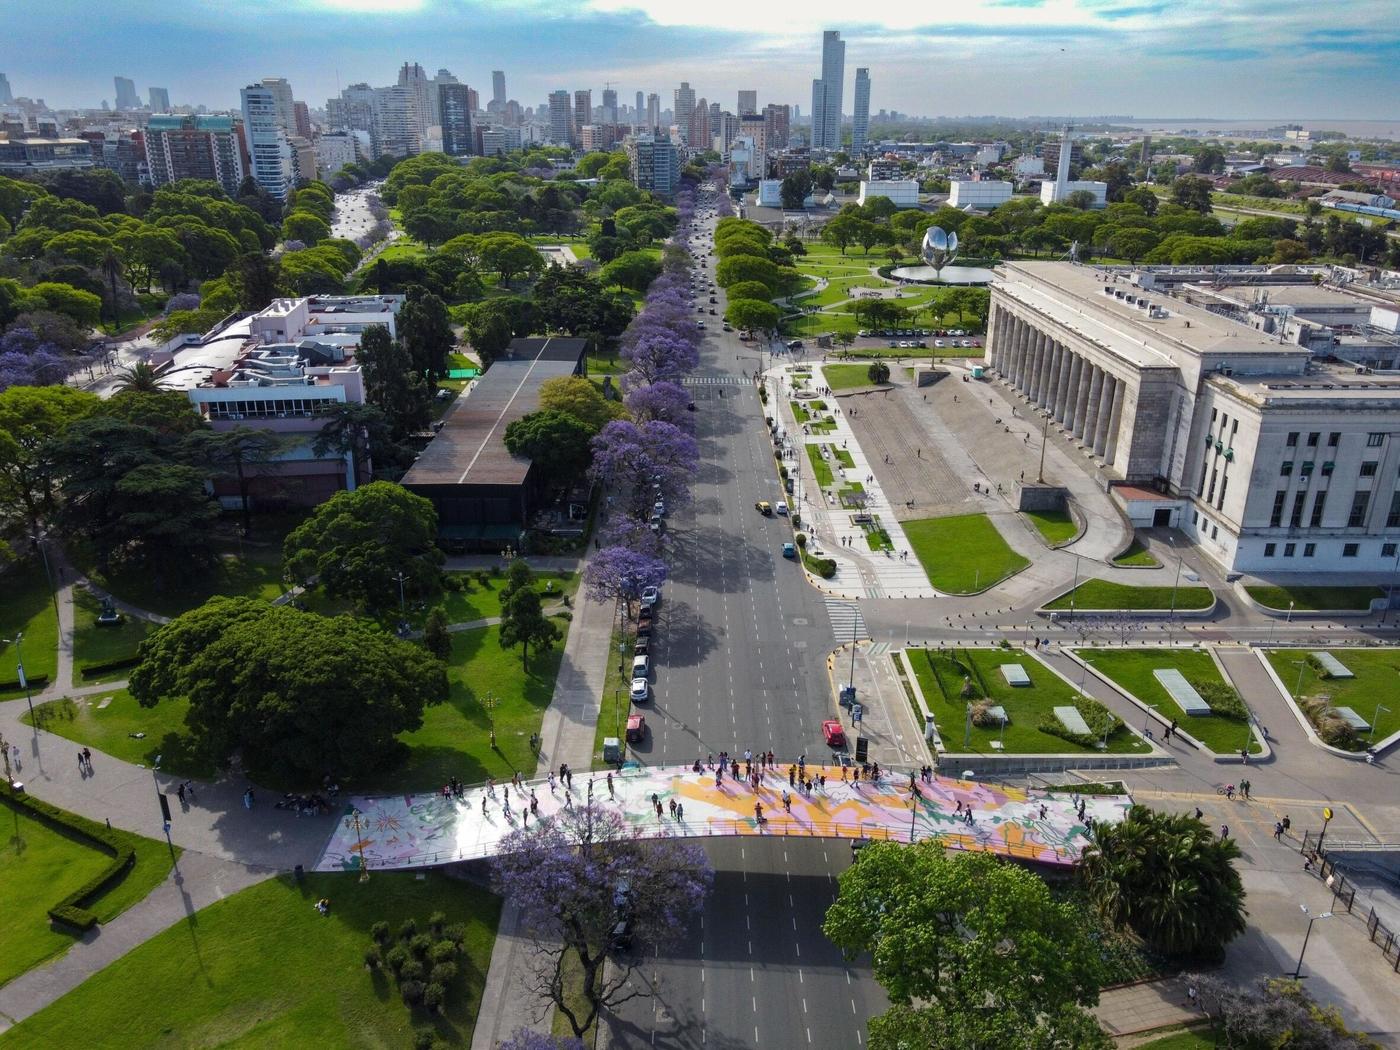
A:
{"x": 82, "y": 766}
{"x": 1191, "y": 995}
{"x": 569, "y": 778}
{"x": 1199, "y": 814}
{"x": 551, "y": 781}
{"x": 483, "y": 805}
{"x": 248, "y": 799}
{"x": 534, "y": 804}
{"x": 1287, "y": 823}
{"x": 611, "y": 795}
{"x": 1278, "y": 831}
{"x": 1244, "y": 755}
{"x": 180, "y": 792}
{"x": 680, "y": 812}
{"x": 758, "y": 812}
{"x": 1224, "y": 831}
{"x": 673, "y": 809}
{"x": 14, "y": 756}
{"x": 189, "y": 790}
{"x": 1244, "y": 785}
{"x": 1230, "y": 791}
{"x": 792, "y": 776}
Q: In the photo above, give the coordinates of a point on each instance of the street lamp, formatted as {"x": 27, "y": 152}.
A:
{"x": 1297, "y": 973}
{"x": 1375, "y": 718}
{"x": 19, "y": 668}
{"x": 357, "y": 821}
{"x": 1044, "y": 437}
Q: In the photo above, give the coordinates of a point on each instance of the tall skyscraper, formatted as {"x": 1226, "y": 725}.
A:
{"x": 860, "y": 118}
{"x": 639, "y": 116}
{"x": 609, "y": 106}
{"x": 826, "y": 93}
{"x": 498, "y": 86}
{"x": 398, "y": 125}
{"x": 416, "y": 79}
{"x": 653, "y": 111}
{"x": 748, "y": 102}
{"x": 7, "y": 96}
{"x": 685, "y": 109}
{"x": 270, "y": 154}
{"x": 354, "y": 110}
{"x": 561, "y": 119}
{"x": 286, "y": 105}
{"x": 776, "y": 123}
{"x": 189, "y": 147}
{"x": 160, "y": 99}
{"x": 583, "y": 113}
{"x": 126, "y": 93}
{"x": 455, "y": 116}
{"x": 654, "y": 163}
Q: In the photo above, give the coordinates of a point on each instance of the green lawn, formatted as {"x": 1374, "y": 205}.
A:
{"x": 1101, "y": 594}
{"x": 1320, "y": 599}
{"x": 263, "y": 969}
{"x": 1137, "y": 556}
{"x": 962, "y": 554}
{"x": 846, "y": 377}
{"x": 483, "y": 601}
{"x": 454, "y": 738}
{"x": 604, "y": 364}
{"x": 112, "y": 730}
{"x": 1055, "y": 526}
{"x": 1132, "y": 669}
{"x": 95, "y": 643}
{"x": 1376, "y": 682}
{"x": 1181, "y": 1040}
{"x": 40, "y": 865}
{"x": 839, "y": 289}
{"x": 401, "y": 251}
{"x": 812, "y": 325}
{"x": 257, "y": 573}
{"x": 941, "y": 674}
{"x": 843, "y": 456}
{"x": 820, "y": 466}
{"x": 799, "y": 411}
{"x": 27, "y": 606}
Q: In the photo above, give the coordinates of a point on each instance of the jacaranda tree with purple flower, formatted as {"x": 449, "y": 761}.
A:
{"x": 592, "y": 891}
{"x": 525, "y": 1039}
{"x": 664, "y": 400}
{"x": 642, "y": 459}
{"x": 622, "y": 574}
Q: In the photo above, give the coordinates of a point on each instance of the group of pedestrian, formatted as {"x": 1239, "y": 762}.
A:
{"x": 964, "y": 813}
{"x": 84, "y": 761}
{"x": 185, "y": 792}
{"x": 1281, "y": 827}
{"x": 1169, "y": 732}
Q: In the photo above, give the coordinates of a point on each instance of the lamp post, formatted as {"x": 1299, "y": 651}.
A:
{"x": 19, "y": 668}
{"x": 1290, "y": 613}
{"x": 357, "y": 821}
{"x": 401, "y": 579}
{"x": 1044, "y": 437}
{"x": 1297, "y": 973}
{"x": 1375, "y": 718}
{"x": 38, "y": 538}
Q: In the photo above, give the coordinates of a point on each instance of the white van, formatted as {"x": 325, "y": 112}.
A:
{"x": 641, "y": 667}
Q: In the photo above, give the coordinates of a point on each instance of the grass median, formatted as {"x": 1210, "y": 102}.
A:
{"x": 1315, "y": 599}
{"x": 962, "y": 554}
{"x": 1093, "y": 595}
{"x": 27, "y": 607}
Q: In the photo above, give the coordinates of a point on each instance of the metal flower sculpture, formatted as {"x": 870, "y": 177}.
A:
{"x": 939, "y": 248}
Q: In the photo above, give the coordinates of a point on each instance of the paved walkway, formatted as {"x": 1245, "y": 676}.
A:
{"x": 196, "y": 881}
{"x": 1141, "y": 1007}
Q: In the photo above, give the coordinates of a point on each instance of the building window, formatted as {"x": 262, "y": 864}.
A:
{"x": 1285, "y": 469}
{"x": 1214, "y": 531}
{"x": 1288, "y": 549}
{"x": 1196, "y": 515}
{"x": 1296, "y": 518}
{"x": 1210, "y": 495}
{"x": 1374, "y": 440}
{"x": 1280, "y": 498}
{"x": 1368, "y": 469}
{"x": 1234, "y": 427}
{"x": 1349, "y": 549}
{"x": 1312, "y": 439}
{"x": 1224, "y": 484}
{"x": 1327, "y": 468}
{"x": 1292, "y": 439}
{"x": 1359, "y": 503}
{"x": 1392, "y": 520}
{"x": 1334, "y": 439}
{"x": 1309, "y": 549}
{"x": 1306, "y": 469}
{"x": 1319, "y": 501}
{"x": 1387, "y": 550}
{"x": 1269, "y": 549}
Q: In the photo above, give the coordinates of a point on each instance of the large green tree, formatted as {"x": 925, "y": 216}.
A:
{"x": 391, "y": 384}
{"x": 357, "y": 544}
{"x": 752, "y": 315}
{"x": 555, "y": 442}
{"x": 1168, "y": 878}
{"x": 974, "y": 953}
{"x": 426, "y": 331}
{"x": 524, "y": 623}
{"x": 243, "y": 454}
{"x": 31, "y": 417}
{"x": 292, "y": 693}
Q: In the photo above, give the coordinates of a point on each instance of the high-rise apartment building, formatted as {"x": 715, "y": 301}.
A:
{"x": 286, "y": 105}
{"x": 561, "y": 119}
{"x": 498, "y": 86}
{"x": 6, "y": 95}
{"x": 301, "y": 118}
{"x": 196, "y": 147}
{"x": 653, "y": 120}
{"x": 398, "y": 125}
{"x": 160, "y": 99}
{"x": 654, "y": 163}
{"x": 354, "y": 110}
{"x": 776, "y": 123}
{"x": 126, "y": 93}
{"x": 455, "y": 116}
{"x": 748, "y": 102}
{"x": 860, "y": 117}
{"x": 609, "y": 106}
{"x": 415, "y": 78}
{"x": 826, "y": 93}
{"x": 685, "y": 109}
{"x": 638, "y": 116}
{"x": 698, "y": 136}
{"x": 583, "y": 113}
{"x": 270, "y": 154}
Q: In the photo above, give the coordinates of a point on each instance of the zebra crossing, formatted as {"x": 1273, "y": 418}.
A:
{"x": 722, "y": 380}
{"x": 846, "y": 620}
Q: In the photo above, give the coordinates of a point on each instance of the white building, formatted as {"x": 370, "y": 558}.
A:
{"x": 335, "y": 149}
{"x": 826, "y": 93}
{"x": 1269, "y": 458}
{"x": 271, "y": 161}
{"x": 496, "y": 139}
{"x": 1050, "y": 192}
{"x": 770, "y": 193}
{"x": 1029, "y": 164}
{"x": 985, "y": 194}
{"x": 904, "y": 192}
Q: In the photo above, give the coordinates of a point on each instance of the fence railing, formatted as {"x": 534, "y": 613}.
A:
{"x": 1315, "y": 848}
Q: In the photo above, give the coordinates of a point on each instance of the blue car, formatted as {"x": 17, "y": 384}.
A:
{"x": 789, "y": 550}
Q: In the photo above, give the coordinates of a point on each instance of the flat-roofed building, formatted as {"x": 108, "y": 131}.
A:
{"x": 23, "y": 156}
{"x": 185, "y": 146}
{"x": 1271, "y": 459}
{"x": 485, "y": 496}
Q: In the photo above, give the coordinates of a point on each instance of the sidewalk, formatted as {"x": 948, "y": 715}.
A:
{"x": 196, "y": 882}
{"x": 888, "y": 724}
{"x": 1141, "y": 1007}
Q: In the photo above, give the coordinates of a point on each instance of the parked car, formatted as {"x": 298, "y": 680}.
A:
{"x": 794, "y": 344}
{"x": 639, "y": 691}
{"x": 651, "y": 596}
{"x": 781, "y": 507}
{"x": 636, "y": 727}
{"x": 641, "y": 666}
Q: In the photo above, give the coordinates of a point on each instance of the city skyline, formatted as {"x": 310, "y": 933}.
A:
{"x": 1006, "y": 57}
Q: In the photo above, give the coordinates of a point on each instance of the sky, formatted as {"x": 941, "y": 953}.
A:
{"x": 1244, "y": 59}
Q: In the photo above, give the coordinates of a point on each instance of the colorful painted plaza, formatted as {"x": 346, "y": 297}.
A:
{"x": 414, "y": 831}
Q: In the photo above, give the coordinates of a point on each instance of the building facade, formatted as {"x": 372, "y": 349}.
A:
{"x": 454, "y": 109}
{"x": 160, "y": 99}
{"x": 748, "y": 103}
{"x": 270, "y": 155}
{"x": 126, "y": 97}
{"x": 776, "y": 122}
{"x": 654, "y": 163}
{"x": 860, "y": 116}
{"x": 985, "y": 194}
{"x": 26, "y": 156}
{"x": 561, "y": 119}
{"x": 583, "y": 114}
{"x": 684, "y": 109}
{"x": 827, "y": 93}
{"x": 196, "y": 147}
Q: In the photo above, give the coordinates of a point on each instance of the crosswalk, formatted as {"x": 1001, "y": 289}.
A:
{"x": 721, "y": 380}
{"x": 846, "y": 620}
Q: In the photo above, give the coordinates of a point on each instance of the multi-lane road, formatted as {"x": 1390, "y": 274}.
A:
{"x": 741, "y": 664}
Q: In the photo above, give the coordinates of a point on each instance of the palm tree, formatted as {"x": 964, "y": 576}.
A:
{"x": 141, "y": 378}
{"x": 111, "y": 266}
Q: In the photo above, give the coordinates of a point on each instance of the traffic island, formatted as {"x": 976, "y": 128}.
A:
{"x": 1346, "y": 700}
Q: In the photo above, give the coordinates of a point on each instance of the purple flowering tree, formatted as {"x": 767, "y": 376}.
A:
{"x": 26, "y": 359}
{"x": 622, "y": 574}
{"x": 583, "y": 882}
{"x": 664, "y": 400}
{"x": 658, "y": 353}
{"x": 623, "y": 530}
{"x": 633, "y": 458}
{"x": 525, "y": 1039}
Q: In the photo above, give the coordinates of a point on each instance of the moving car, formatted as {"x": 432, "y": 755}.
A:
{"x": 636, "y": 728}
{"x": 639, "y": 690}
{"x": 764, "y": 507}
{"x": 651, "y": 596}
{"x": 833, "y": 733}
{"x": 781, "y": 508}
{"x": 789, "y": 550}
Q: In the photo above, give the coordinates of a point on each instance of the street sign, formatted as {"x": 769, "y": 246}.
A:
{"x": 857, "y": 710}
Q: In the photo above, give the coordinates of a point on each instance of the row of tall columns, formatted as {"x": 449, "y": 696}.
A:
{"x": 1079, "y": 395}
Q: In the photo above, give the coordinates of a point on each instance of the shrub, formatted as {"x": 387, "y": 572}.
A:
{"x": 801, "y": 540}
{"x": 443, "y": 951}
{"x": 1103, "y": 723}
{"x": 412, "y": 992}
{"x": 983, "y": 718}
{"x": 372, "y": 957}
{"x": 823, "y": 567}
{"x": 396, "y": 957}
{"x": 444, "y": 973}
{"x": 436, "y": 921}
{"x": 93, "y": 670}
{"x": 36, "y": 683}
{"x": 451, "y": 582}
{"x": 420, "y": 944}
{"x": 1316, "y": 666}
{"x": 408, "y": 929}
{"x": 1330, "y": 726}
{"x": 1222, "y": 699}
{"x": 412, "y": 970}
{"x": 424, "y": 1039}
{"x": 456, "y": 933}
{"x": 433, "y": 996}
{"x": 380, "y": 932}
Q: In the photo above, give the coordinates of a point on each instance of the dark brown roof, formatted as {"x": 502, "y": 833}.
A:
{"x": 470, "y": 448}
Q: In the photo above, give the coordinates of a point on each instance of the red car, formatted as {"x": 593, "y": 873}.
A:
{"x": 636, "y": 727}
{"x": 833, "y": 734}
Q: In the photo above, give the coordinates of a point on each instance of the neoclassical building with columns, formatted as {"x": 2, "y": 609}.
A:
{"x": 1242, "y": 437}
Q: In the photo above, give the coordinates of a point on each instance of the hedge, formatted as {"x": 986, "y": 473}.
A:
{"x": 36, "y": 682}
{"x": 92, "y": 670}
{"x": 1103, "y": 723}
{"x": 69, "y": 910}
